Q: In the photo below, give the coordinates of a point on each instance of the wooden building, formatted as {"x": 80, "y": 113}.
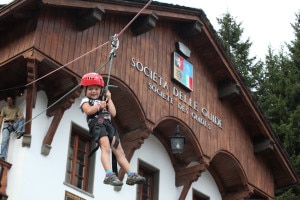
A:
{"x": 168, "y": 70}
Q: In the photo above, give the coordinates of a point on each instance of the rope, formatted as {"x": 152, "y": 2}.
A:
{"x": 149, "y": 2}
{"x": 24, "y": 86}
{"x": 58, "y": 99}
{"x": 114, "y": 45}
{"x": 116, "y": 36}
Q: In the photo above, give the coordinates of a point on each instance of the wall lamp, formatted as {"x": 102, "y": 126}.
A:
{"x": 177, "y": 142}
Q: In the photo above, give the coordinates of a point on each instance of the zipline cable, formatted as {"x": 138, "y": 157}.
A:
{"x": 73, "y": 89}
{"x": 116, "y": 35}
{"x": 58, "y": 100}
{"x": 114, "y": 45}
{"x": 131, "y": 21}
{"x": 24, "y": 86}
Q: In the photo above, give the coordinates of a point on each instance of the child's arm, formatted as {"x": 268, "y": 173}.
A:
{"x": 110, "y": 104}
{"x": 90, "y": 110}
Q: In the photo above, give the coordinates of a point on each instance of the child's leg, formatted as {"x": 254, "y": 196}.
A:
{"x": 110, "y": 178}
{"x": 132, "y": 178}
{"x": 120, "y": 156}
{"x": 105, "y": 152}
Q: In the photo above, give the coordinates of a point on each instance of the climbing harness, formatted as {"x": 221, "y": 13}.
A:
{"x": 101, "y": 120}
{"x": 114, "y": 44}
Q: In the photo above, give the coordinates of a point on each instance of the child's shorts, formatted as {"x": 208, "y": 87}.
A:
{"x": 104, "y": 129}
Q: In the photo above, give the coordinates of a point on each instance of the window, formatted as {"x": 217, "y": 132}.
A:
{"x": 199, "y": 196}
{"x": 149, "y": 190}
{"x": 80, "y": 168}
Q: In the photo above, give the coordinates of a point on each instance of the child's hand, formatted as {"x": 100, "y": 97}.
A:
{"x": 102, "y": 105}
{"x": 108, "y": 95}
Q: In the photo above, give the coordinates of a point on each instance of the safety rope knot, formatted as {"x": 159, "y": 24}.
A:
{"x": 114, "y": 41}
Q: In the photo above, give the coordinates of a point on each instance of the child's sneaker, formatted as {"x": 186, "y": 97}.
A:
{"x": 112, "y": 180}
{"x": 134, "y": 178}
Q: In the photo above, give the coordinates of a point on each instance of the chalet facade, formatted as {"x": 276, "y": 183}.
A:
{"x": 168, "y": 70}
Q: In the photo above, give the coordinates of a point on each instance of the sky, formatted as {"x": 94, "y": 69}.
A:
{"x": 265, "y": 22}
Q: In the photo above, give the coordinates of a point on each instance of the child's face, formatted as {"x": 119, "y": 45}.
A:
{"x": 93, "y": 91}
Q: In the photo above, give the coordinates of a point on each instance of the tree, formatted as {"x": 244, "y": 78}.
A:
{"x": 275, "y": 84}
{"x": 279, "y": 98}
{"x": 230, "y": 35}
{"x": 279, "y": 93}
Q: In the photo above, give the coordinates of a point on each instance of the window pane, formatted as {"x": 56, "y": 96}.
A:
{"x": 78, "y": 161}
{"x": 81, "y": 145}
{"x": 68, "y": 177}
{"x": 80, "y": 157}
{"x": 79, "y": 169}
{"x": 146, "y": 191}
{"x": 78, "y": 182}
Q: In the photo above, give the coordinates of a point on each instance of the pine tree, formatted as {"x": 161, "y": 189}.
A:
{"x": 279, "y": 93}
{"x": 275, "y": 84}
{"x": 279, "y": 98}
{"x": 230, "y": 34}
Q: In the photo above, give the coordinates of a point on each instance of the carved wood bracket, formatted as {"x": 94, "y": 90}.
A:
{"x": 190, "y": 29}
{"x": 58, "y": 114}
{"x": 131, "y": 142}
{"x": 240, "y": 195}
{"x": 144, "y": 24}
{"x": 5, "y": 167}
{"x": 51, "y": 132}
{"x": 187, "y": 176}
{"x": 30, "y": 98}
{"x": 230, "y": 91}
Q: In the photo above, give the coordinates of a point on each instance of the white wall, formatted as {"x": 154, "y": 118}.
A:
{"x": 207, "y": 186}
{"x": 34, "y": 176}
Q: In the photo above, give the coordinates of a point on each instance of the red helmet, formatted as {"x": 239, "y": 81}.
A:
{"x": 92, "y": 79}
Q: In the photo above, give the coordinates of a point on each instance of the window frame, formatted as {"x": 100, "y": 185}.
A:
{"x": 199, "y": 195}
{"x": 78, "y": 134}
{"x": 147, "y": 170}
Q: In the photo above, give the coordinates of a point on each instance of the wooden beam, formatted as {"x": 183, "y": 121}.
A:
{"x": 264, "y": 146}
{"x": 190, "y": 29}
{"x": 144, "y": 24}
{"x": 5, "y": 167}
{"x": 131, "y": 142}
{"x": 89, "y": 18}
{"x": 189, "y": 174}
{"x": 30, "y": 98}
{"x": 186, "y": 176}
{"x": 71, "y": 4}
{"x": 121, "y": 7}
{"x": 241, "y": 195}
{"x": 185, "y": 190}
{"x": 51, "y": 131}
{"x": 230, "y": 91}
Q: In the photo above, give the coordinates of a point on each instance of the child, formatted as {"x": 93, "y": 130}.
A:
{"x": 99, "y": 115}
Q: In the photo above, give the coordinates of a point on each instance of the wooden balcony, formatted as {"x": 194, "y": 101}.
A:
{"x": 4, "y": 167}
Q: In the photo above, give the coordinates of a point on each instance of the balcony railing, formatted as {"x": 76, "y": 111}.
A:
{"x": 4, "y": 168}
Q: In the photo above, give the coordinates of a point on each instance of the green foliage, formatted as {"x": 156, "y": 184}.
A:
{"x": 279, "y": 97}
{"x": 275, "y": 84}
{"x": 289, "y": 195}
{"x": 231, "y": 34}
